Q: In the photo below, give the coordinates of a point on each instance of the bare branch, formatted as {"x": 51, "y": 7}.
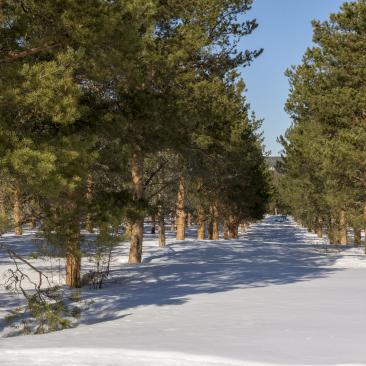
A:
{"x": 154, "y": 173}
{"x": 18, "y": 276}
{"x": 14, "y": 55}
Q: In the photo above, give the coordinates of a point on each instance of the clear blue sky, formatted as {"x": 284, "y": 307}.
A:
{"x": 284, "y": 32}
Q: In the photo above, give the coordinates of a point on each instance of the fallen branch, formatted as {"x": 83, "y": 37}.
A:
{"x": 18, "y": 275}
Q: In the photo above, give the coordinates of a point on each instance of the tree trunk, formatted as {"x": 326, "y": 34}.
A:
{"x": 215, "y": 230}
{"x": 137, "y": 225}
{"x": 153, "y": 224}
{"x": 2, "y": 203}
{"x": 127, "y": 230}
{"x": 172, "y": 223}
{"x": 331, "y": 236}
{"x": 343, "y": 228}
{"x": 233, "y": 228}
{"x": 189, "y": 219}
{"x": 335, "y": 235}
{"x": 357, "y": 236}
{"x": 225, "y": 230}
{"x": 319, "y": 227}
{"x": 73, "y": 256}
{"x": 17, "y": 213}
{"x": 215, "y": 223}
{"x": 201, "y": 223}
{"x": 180, "y": 213}
{"x": 88, "y": 197}
{"x": 210, "y": 229}
{"x": 162, "y": 240}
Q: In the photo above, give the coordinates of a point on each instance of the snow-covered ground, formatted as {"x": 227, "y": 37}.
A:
{"x": 276, "y": 296}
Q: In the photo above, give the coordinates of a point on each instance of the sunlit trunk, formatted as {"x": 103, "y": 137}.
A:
{"x": 225, "y": 230}
{"x": 343, "y": 228}
{"x": 73, "y": 255}
{"x": 162, "y": 240}
{"x": 17, "y": 213}
{"x": 215, "y": 223}
{"x": 210, "y": 229}
{"x": 2, "y": 203}
{"x": 201, "y": 223}
{"x": 189, "y": 219}
{"x": 233, "y": 227}
{"x": 180, "y": 213}
{"x": 137, "y": 224}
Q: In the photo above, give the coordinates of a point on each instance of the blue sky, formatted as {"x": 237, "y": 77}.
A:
{"x": 284, "y": 32}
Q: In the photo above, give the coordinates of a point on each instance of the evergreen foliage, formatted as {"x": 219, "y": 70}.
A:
{"x": 109, "y": 110}
{"x": 324, "y": 163}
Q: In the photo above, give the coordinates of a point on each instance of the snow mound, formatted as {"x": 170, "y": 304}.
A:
{"x": 348, "y": 261}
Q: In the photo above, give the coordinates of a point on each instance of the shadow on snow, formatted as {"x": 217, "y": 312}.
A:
{"x": 268, "y": 254}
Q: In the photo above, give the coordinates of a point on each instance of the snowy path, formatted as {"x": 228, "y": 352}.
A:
{"x": 268, "y": 298}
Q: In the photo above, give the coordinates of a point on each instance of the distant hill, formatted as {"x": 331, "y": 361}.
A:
{"x": 272, "y": 161}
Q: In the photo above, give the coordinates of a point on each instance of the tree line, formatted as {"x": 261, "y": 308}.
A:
{"x": 115, "y": 111}
{"x": 324, "y": 164}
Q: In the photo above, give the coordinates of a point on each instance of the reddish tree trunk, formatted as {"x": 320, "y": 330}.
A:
{"x": 2, "y": 203}
{"x": 73, "y": 256}
{"x": 17, "y": 213}
{"x": 210, "y": 230}
{"x": 226, "y": 230}
{"x": 343, "y": 228}
{"x": 137, "y": 225}
{"x": 233, "y": 228}
{"x": 162, "y": 240}
{"x": 201, "y": 223}
{"x": 189, "y": 219}
{"x": 180, "y": 213}
{"x": 215, "y": 223}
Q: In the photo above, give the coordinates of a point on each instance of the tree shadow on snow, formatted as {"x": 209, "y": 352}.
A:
{"x": 274, "y": 254}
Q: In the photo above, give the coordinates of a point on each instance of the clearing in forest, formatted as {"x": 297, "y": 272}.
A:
{"x": 277, "y": 295}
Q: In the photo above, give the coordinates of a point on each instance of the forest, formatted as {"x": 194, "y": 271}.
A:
{"x": 115, "y": 112}
{"x": 323, "y": 171}
{"x": 143, "y": 219}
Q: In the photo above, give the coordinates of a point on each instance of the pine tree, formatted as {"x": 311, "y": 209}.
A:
{"x": 326, "y": 104}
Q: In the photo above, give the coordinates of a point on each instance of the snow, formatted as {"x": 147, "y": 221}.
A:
{"x": 276, "y": 296}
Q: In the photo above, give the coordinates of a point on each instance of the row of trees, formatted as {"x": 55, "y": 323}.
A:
{"x": 113, "y": 111}
{"x": 324, "y": 166}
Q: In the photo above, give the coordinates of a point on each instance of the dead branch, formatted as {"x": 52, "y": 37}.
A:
{"x": 17, "y": 276}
